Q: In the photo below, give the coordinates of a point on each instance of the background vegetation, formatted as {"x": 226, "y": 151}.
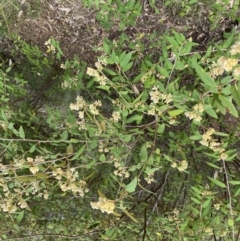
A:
{"x": 119, "y": 120}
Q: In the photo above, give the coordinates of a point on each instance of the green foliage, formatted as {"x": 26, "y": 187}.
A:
{"x": 146, "y": 147}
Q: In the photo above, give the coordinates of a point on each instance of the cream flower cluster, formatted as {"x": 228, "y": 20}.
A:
{"x": 154, "y": 110}
{"x": 68, "y": 181}
{"x": 206, "y": 191}
{"x": 208, "y": 141}
{"x": 102, "y": 147}
{"x": 104, "y": 205}
{"x": 8, "y": 206}
{"x": 12, "y": 199}
{"x": 120, "y": 170}
{"x": 93, "y": 107}
{"x": 50, "y": 47}
{"x": 81, "y": 106}
{"x": 235, "y": 49}
{"x": 149, "y": 178}
{"x": 33, "y": 163}
{"x": 196, "y": 113}
{"x": 156, "y": 95}
{"x": 227, "y": 63}
{"x": 69, "y": 83}
{"x": 174, "y": 216}
{"x": 98, "y": 74}
{"x": 116, "y": 116}
{"x": 181, "y": 166}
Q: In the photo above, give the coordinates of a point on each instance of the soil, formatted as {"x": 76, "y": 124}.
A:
{"x": 77, "y": 30}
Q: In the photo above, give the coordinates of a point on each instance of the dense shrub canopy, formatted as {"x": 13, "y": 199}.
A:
{"x": 139, "y": 144}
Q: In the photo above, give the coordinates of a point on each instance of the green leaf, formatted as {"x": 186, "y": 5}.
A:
{"x": 90, "y": 164}
{"x": 70, "y": 149}
{"x": 235, "y": 94}
{"x": 218, "y": 183}
{"x": 109, "y": 71}
{"x": 127, "y": 67}
{"x": 203, "y": 75}
{"x": 206, "y": 203}
{"x": 21, "y": 133}
{"x": 106, "y": 47}
{"x": 161, "y": 128}
{"x": 32, "y": 149}
{"x": 213, "y": 165}
{"x": 195, "y": 137}
{"x": 150, "y": 171}
{"x": 41, "y": 175}
{"x": 230, "y": 222}
{"x": 125, "y": 60}
{"x": 100, "y": 194}
{"x": 122, "y": 55}
{"x": 127, "y": 138}
{"x": 79, "y": 152}
{"x": 102, "y": 158}
{"x": 64, "y": 135}
{"x": 229, "y": 41}
{"x": 233, "y": 182}
{"x": 143, "y": 153}
{"x": 104, "y": 87}
{"x": 184, "y": 224}
{"x": 137, "y": 118}
{"x": 172, "y": 42}
{"x": 228, "y": 104}
{"x": 129, "y": 215}
{"x": 209, "y": 51}
{"x": 132, "y": 185}
{"x": 209, "y": 110}
{"x": 20, "y": 216}
{"x": 173, "y": 113}
{"x": 195, "y": 200}
{"x": 25, "y": 178}
{"x": 162, "y": 71}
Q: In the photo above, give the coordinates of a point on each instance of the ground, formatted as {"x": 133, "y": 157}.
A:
{"x": 78, "y": 31}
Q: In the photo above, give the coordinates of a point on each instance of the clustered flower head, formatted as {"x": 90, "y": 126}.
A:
{"x": 149, "y": 178}
{"x": 104, "y": 205}
{"x": 34, "y": 163}
{"x": 93, "y": 107}
{"x": 120, "y": 171}
{"x": 116, "y": 116}
{"x": 235, "y": 49}
{"x": 97, "y": 73}
{"x": 154, "y": 110}
{"x": 224, "y": 64}
{"x": 118, "y": 103}
{"x": 196, "y": 113}
{"x": 12, "y": 199}
{"x": 50, "y": 47}
{"x": 181, "y": 166}
{"x": 206, "y": 191}
{"x": 156, "y": 95}
{"x": 68, "y": 180}
{"x": 8, "y": 206}
{"x": 174, "y": 216}
{"x": 215, "y": 146}
{"x": 69, "y": 83}
{"x": 227, "y": 63}
{"x": 102, "y": 147}
{"x": 81, "y": 106}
